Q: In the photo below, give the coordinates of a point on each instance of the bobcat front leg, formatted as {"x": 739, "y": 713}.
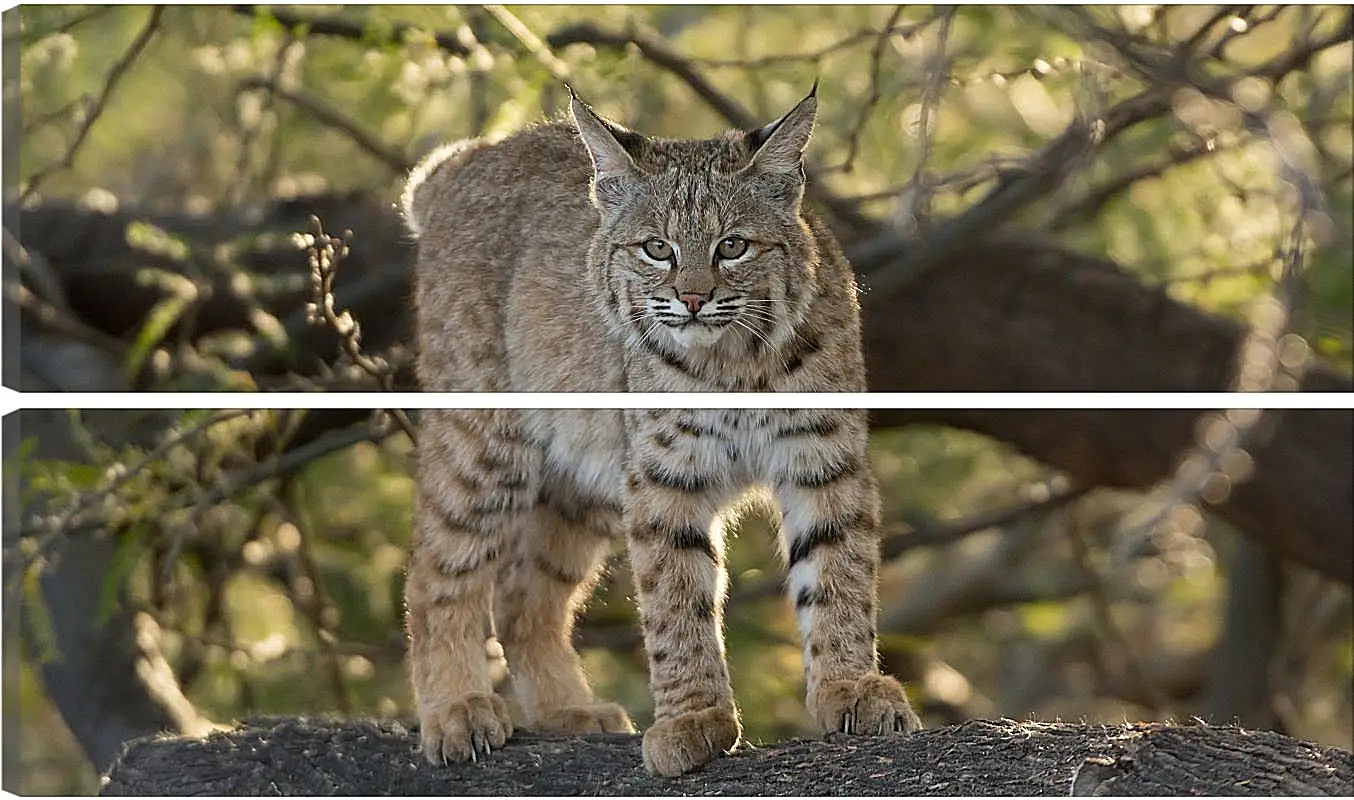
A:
{"x": 675, "y": 553}
{"x": 831, "y": 507}
{"x": 472, "y": 479}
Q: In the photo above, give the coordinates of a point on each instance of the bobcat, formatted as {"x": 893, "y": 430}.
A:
{"x": 586, "y": 257}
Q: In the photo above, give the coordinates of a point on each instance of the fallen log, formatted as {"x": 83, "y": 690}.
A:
{"x": 308, "y": 756}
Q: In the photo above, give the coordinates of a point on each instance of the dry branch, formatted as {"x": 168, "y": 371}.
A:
{"x": 317, "y": 757}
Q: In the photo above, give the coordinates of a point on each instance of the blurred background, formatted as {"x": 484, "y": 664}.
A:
{"x": 1036, "y": 198}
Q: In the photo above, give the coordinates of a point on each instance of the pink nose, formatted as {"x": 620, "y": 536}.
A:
{"x": 693, "y": 302}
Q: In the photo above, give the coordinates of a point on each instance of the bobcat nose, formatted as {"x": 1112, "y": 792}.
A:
{"x": 692, "y": 301}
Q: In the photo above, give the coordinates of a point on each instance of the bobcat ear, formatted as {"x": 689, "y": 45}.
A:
{"x": 779, "y": 148}
{"x": 603, "y": 140}
{"x": 608, "y": 145}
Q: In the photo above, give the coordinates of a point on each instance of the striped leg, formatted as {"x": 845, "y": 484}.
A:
{"x": 474, "y": 476}
{"x": 831, "y": 507}
{"x": 676, "y": 555}
{"x": 552, "y": 571}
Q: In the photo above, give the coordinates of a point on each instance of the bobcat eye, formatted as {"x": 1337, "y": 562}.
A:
{"x": 657, "y": 249}
{"x": 731, "y": 247}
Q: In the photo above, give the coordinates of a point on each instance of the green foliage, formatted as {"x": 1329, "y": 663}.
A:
{"x": 42, "y": 636}
{"x": 132, "y": 551}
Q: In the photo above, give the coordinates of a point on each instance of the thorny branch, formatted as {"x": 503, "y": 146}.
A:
{"x": 96, "y": 109}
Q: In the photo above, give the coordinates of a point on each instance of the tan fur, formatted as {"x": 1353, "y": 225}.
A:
{"x": 533, "y": 275}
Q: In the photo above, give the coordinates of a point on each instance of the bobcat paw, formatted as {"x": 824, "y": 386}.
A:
{"x": 680, "y": 744}
{"x": 465, "y": 729}
{"x": 873, "y": 703}
{"x": 591, "y": 718}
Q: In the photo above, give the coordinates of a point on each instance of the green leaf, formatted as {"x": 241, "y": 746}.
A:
{"x": 158, "y": 322}
{"x": 147, "y": 237}
{"x": 265, "y": 24}
{"x": 82, "y": 477}
{"x": 125, "y": 559}
{"x": 39, "y": 619}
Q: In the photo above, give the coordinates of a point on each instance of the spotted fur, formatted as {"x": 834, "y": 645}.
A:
{"x": 533, "y": 274}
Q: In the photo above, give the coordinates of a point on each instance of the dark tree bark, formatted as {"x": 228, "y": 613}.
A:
{"x": 1298, "y": 503}
{"x": 361, "y": 757}
{"x": 1241, "y": 685}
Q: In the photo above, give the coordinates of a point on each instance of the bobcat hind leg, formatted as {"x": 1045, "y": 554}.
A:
{"x": 551, "y": 572}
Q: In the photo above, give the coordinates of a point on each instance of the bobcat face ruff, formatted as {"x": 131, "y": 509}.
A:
{"x": 701, "y": 239}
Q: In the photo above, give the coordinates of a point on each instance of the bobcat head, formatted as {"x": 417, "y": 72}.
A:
{"x": 701, "y": 243}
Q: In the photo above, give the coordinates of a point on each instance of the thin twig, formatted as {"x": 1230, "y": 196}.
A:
{"x": 344, "y": 29}
{"x": 876, "y": 62}
{"x": 1050, "y": 495}
{"x": 25, "y": 39}
{"x": 1120, "y": 661}
{"x": 326, "y": 252}
{"x": 382, "y": 152}
{"x": 915, "y": 200}
{"x": 32, "y": 264}
{"x": 316, "y": 607}
{"x": 64, "y": 322}
{"x": 1225, "y": 12}
{"x": 538, "y": 49}
{"x": 286, "y": 464}
{"x": 49, "y": 117}
{"x": 115, "y": 76}
{"x": 250, "y": 132}
{"x": 1086, "y": 206}
{"x": 815, "y": 56}
{"x": 1045, "y": 171}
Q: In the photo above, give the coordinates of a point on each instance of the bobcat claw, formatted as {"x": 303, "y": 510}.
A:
{"x": 479, "y": 746}
{"x": 873, "y": 703}
{"x": 465, "y": 729}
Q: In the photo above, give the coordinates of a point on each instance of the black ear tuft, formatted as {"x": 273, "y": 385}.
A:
{"x": 757, "y": 137}
{"x": 632, "y": 142}
{"x": 779, "y": 147}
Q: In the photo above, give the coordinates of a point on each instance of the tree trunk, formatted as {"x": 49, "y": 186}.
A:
{"x": 317, "y": 757}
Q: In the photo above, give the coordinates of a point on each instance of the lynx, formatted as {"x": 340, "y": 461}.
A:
{"x": 585, "y": 257}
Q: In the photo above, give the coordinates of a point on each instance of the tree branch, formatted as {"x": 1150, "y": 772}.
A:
{"x": 95, "y": 111}
{"x": 331, "y": 118}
